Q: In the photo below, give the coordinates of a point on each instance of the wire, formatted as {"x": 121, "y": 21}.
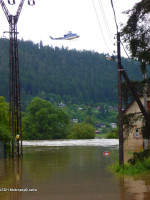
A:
{"x": 117, "y": 27}
{"x": 125, "y": 50}
{"x": 105, "y": 21}
{"x": 100, "y": 26}
{"x": 114, "y": 14}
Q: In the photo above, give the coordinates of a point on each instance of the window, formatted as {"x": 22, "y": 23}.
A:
{"x": 137, "y": 132}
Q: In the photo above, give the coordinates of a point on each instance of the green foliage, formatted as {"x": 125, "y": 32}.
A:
{"x": 139, "y": 156}
{"x": 4, "y": 112}
{"x": 4, "y": 120}
{"x": 82, "y": 131}
{"x": 139, "y": 164}
{"x": 92, "y": 115}
{"x": 4, "y": 133}
{"x": 43, "y": 121}
{"x": 56, "y": 74}
{"x": 112, "y": 134}
{"x": 136, "y": 32}
{"x": 105, "y": 130}
{"x": 129, "y": 121}
{"x": 139, "y": 168}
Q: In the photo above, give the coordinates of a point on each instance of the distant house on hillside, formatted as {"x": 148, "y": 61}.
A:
{"x": 113, "y": 108}
{"x": 113, "y": 125}
{"x": 61, "y": 105}
{"x": 100, "y": 125}
{"x": 80, "y": 108}
{"x": 75, "y": 120}
{"x": 133, "y": 137}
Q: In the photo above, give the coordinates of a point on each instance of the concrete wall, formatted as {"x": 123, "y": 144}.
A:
{"x": 133, "y": 143}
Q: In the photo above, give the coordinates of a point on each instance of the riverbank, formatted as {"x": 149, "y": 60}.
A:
{"x": 138, "y": 164}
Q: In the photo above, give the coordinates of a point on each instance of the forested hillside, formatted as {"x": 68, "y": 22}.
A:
{"x": 62, "y": 74}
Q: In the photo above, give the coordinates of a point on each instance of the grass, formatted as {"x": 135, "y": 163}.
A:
{"x": 113, "y": 134}
{"x": 101, "y": 136}
{"x": 139, "y": 168}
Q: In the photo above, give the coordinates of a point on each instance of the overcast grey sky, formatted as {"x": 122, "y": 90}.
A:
{"x": 56, "y": 17}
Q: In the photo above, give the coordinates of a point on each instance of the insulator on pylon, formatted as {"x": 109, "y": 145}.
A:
{"x": 11, "y": 2}
{"x": 31, "y": 2}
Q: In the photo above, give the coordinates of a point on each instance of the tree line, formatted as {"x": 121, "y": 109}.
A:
{"x": 43, "y": 121}
{"x": 56, "y": 74}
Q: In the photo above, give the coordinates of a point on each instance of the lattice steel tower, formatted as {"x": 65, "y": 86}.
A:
{"x": 14, "y": 80}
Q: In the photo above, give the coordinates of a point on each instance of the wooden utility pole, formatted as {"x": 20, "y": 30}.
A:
{"x": 120, "y": 124}
{"x": 121, "y": 71}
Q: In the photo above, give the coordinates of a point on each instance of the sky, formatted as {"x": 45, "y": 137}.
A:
{"x": 92, "y": 20}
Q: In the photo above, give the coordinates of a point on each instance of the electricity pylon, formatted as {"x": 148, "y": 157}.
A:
{"x": 14, "y": 80}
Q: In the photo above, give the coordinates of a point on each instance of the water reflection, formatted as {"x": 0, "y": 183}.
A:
{"x": 137, "y": 188}
{"x": 68, "y": 172}
{"x": 11, "y": 179}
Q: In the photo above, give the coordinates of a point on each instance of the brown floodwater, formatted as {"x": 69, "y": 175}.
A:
{"x": 72, "y": 170}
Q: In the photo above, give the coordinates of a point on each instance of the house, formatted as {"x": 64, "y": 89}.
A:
{"x": 75, "y": 120}
{"x": 133, "y": 140}
{"x": 103, "y": 125}
{"x": 113, "y": 125}
{"x": 98, "y": 125}
{"x": 61, "y": 105}
{"x": 113, "y": 108}
{"x": 80, "y": 108}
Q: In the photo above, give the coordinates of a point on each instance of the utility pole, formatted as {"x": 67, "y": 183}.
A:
{"x": 135, "y": 95}
{"x": 121, "y": 71}
{"x": 120, "y": 124}
{"x": 14, "y": 79}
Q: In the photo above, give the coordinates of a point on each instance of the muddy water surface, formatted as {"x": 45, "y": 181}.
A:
{"x": 68, "y": 170}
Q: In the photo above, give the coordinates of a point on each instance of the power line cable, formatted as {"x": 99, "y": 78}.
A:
{"x": 105, "y": 21}
{"x": 117, "y": 27}
{"x": 114, "y": 14}
{"x": 125, "y": 50}
{"x": 100, "y": 26}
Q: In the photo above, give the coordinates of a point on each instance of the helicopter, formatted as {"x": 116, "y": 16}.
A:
{"x": 68, "y": 36}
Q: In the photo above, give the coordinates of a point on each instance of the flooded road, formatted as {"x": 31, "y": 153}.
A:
{"x": 68, "y": 170}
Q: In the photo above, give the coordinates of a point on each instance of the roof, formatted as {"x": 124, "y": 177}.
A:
{"x": 127, "y": 107}
{"x": 130, "y": 104}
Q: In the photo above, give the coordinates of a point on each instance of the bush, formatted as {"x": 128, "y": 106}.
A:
{"x": 5, "y": 134}
{"x": 128, "y": 169}
{"x": 43, "y": 121}
{"x": 139, "y": 156}
{"x": 140, "y": 163}
{"x": 82, "y": 131}
{"x": 112, "y": 134}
